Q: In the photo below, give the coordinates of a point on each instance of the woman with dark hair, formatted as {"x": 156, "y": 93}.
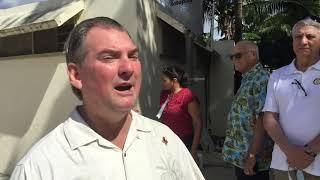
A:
{"x": 180, "y": 108}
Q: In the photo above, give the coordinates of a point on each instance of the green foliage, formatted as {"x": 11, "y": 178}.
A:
{"x": 203, "y": 39}
{"x": 269, "y": 22}
{"x": 261, "y": 16}
{"x": 251, "y": 36}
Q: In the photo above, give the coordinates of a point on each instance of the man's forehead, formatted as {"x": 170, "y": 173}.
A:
{"x": 238, "y": 48}
{"x": 106, "y": 32}
{"x": 108, "y": 35}
{"x": 306, "y": 28}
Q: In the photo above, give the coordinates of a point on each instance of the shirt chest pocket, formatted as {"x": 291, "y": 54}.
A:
{"x": 163, "y": 165}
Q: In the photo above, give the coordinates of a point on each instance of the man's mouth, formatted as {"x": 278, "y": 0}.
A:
{"x": 123, "y": 87}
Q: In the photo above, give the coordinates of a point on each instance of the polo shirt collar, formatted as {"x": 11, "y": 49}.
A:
{"x": 254, "y": 69}
{"x": 78, "y": 132}
{"x": 317, "y": 65}
{"x": 141, "y": 123}
{"x": 293, "y": 70}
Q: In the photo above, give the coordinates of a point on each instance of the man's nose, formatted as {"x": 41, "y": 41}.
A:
{"x": 304, "y": 40}
{"x": 125, "y": 67}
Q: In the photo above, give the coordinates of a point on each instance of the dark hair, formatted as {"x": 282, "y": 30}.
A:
{"x": 176, "y": 72}
{"x": 74, "y": 47}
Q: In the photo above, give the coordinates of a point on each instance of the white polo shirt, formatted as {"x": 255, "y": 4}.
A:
{"x": 299, "y": 115}
{"x": 73, "y": 151}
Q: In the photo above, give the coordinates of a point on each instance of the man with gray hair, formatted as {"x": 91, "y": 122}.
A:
{"x": 291, "y": 111}
{"x": 103, "y": 139}
{"x": 245, "y": 144}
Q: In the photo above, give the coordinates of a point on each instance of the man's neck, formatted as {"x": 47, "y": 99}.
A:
{"x": 114, "y": 130}
{"x": 303, "y": 63}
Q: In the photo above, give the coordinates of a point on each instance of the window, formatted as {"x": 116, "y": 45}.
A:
{"x": 38, "y": 42}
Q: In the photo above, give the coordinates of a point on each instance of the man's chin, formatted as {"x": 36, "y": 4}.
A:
{"x": 126, "y": 107}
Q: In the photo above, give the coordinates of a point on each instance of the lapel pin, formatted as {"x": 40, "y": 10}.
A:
{"x": 164, "y": 140}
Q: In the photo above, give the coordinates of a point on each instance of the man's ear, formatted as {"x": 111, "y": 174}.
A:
{"x": 73, "y": 73}
{"x": 254, "y": 56}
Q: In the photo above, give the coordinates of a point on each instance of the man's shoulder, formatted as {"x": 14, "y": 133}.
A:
{"x": 262, "y": 75}
{"x": 154, "y": 126}
{"x": 260, "y": 72}
{"x": 46, "y": 146}
{"x": 283, "y": 69}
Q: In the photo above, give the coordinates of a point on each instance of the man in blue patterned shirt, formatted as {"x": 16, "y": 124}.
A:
{"x": 246, "y": 145}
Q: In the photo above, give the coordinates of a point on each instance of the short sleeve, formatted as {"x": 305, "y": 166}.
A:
{"x": 19, "y": 173}
{"x": 27, "y": 169}
{"x": 271, "y": 103}
{"x": 189, "y": 96}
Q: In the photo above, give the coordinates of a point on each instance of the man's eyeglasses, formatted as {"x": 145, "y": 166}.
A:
{"x": 300, "y": 86}
{"x": 237, "y": 55}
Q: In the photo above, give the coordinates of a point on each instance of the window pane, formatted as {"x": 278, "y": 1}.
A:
{"x": 16, "y": 45}
{"x": 45, "y": 41}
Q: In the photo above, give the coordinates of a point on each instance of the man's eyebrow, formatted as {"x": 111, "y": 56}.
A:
{"x": 135, "y": 50}
{"x": 108, "y": 51}
{"x": 116, "y": 52}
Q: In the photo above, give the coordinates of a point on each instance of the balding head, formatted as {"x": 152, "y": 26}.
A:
{"x": 245, "y": 55}
{"x": 249, "y": 46}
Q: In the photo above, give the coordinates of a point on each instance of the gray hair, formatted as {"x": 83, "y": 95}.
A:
{"x": 305, "y": 22}
{"x": 74, "y": 47}
{"x": 250, "y": 45}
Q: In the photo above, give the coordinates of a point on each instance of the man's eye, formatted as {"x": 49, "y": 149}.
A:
{"x": 298, "y": 36}
{"x": 311, "y": 36}
{"x": 106, "y": 57}
{"x": 134, "y": 56}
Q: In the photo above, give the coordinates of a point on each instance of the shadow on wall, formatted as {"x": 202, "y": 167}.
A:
{"x": 220, "y": 87}
{"x": 55, "y": 106}
{"x": 21, "y": 91}
{"x": 150, "y": 90}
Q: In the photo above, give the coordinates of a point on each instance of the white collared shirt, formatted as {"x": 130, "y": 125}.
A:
{"x": 299, "y": 115}
{"x": 73, "y": 151}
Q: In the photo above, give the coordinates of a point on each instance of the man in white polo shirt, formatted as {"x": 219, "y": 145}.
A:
{"x": 292, "y": 107}
{"x": 103, "y": 139}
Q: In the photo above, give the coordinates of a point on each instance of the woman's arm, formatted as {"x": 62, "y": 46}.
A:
{"x": 194, "y": 111}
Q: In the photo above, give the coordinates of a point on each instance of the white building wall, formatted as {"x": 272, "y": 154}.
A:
{"x": 220, "y": 88}
{"x": 35, "y": 96}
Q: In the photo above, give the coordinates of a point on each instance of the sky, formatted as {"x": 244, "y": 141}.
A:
{"x": 4, "y": 4}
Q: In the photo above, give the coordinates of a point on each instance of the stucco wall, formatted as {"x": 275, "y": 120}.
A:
{"x": 220, "y": 87}
{"x": 36, "y": 96}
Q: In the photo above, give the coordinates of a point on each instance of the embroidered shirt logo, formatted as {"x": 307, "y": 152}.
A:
{"x": 316, "y": 81}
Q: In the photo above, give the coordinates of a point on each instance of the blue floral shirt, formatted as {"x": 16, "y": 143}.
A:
{"x": 248, "y": 102}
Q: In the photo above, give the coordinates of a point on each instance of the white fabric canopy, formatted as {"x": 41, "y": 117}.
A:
{"x": 36, "y": 16}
